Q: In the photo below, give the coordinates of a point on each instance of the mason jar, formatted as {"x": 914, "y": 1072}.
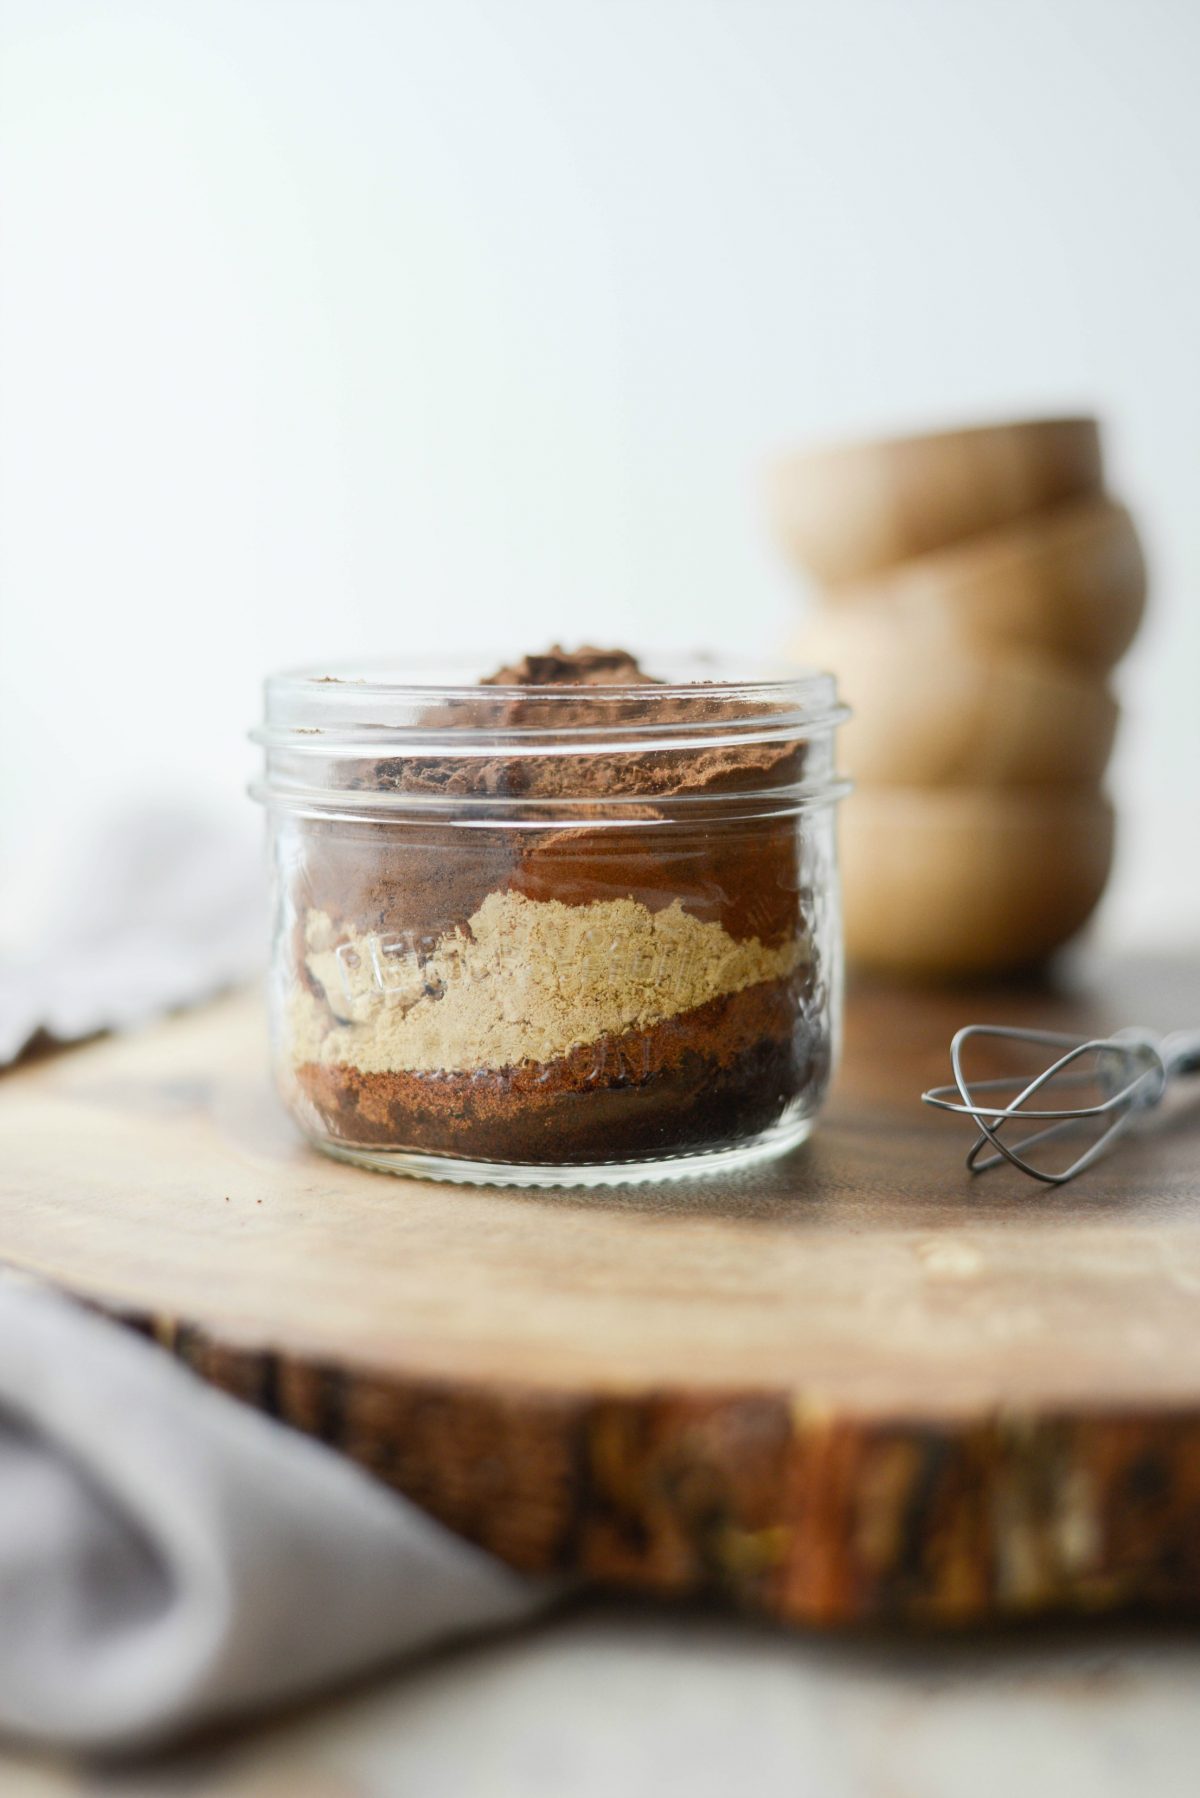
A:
{"x": 576, "y": 923}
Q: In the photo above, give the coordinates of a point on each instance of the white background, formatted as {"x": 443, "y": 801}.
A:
{"x": 342, "y": 326}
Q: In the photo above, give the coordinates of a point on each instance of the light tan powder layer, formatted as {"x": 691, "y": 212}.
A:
{"x": 529, "y": 980}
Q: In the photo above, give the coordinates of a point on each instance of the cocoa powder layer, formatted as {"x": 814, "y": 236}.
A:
{"x": 720, "y": 1073}
{"x": 586, "y": 686}
{"x": 424, "y": 878}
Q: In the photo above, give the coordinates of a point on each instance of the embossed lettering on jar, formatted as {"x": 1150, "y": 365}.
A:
{"x": 573, "y": 923}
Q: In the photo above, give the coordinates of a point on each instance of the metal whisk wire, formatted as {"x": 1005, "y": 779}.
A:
{"x": 1131, "y": 1072}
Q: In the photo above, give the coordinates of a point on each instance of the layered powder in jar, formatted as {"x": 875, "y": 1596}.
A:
{"x": 563, "y": 995}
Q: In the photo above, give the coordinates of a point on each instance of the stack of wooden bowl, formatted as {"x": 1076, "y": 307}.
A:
{"x": 976, "y": 589}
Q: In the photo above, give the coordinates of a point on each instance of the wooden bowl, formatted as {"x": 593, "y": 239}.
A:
{"x": 851, "y": 510}
{"x": 957, "y": 881}
{"x": 932, "y": 708}
{"x": 1071, "y": 582}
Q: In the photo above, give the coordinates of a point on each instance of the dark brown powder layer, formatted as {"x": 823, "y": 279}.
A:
{"x": 418, "y": 880}
{"x": 714, "y": 1075}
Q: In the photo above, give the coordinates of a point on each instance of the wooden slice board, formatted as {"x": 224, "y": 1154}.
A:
{"x": 856, "y": 1384}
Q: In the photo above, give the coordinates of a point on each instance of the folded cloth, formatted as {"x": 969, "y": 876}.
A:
{"x": 168, "y": 1556}
{"x": 152, "y": 908}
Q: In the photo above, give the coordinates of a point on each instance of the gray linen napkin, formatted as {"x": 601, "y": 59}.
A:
{"x": 168, "y": 1556}
{"x": 156, "y": 906}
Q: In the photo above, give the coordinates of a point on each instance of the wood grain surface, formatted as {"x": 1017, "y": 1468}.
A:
{"x": 855, "y": 1384}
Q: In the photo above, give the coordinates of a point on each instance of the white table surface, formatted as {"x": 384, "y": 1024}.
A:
{"x": 614, "y": 1700}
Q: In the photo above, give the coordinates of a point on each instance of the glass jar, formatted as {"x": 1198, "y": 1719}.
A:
{"x": 572, "y": 925}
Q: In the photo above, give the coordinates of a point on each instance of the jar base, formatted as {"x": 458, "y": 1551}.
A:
{"x": 787, "y": 1134}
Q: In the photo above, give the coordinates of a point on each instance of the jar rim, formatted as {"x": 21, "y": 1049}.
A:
{"x": 350, "y": 739}
{"x": 386, "y": 701}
